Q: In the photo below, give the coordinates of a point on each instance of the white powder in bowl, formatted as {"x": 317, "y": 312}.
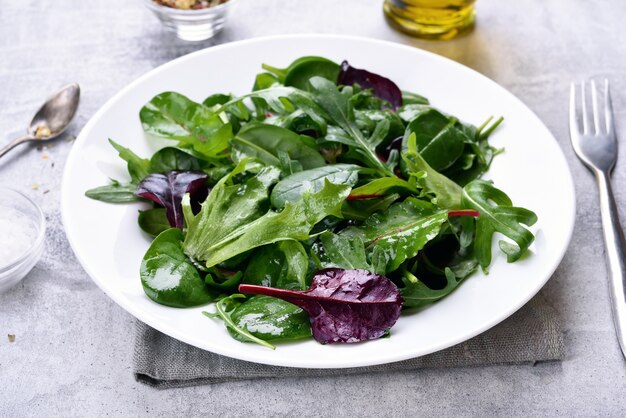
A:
{"x": 17, "y": 234}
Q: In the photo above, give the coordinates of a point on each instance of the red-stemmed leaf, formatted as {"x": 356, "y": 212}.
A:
{"x": 168, "y": 190}
{"x": 345, "y": 306}
{"x": 382, "y": 87}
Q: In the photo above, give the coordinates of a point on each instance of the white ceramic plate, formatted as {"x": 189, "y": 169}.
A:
{"x": 533, "y": 171}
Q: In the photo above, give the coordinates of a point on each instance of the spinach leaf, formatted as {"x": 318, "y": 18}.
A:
{"x": 343, "y": 305}
{"x": 497, "y": 214}
{"x": 283, "y": 264}
{"x": 291, "y": 188}
{"x": 438, "y": 140}
{"x": 340, "y": 111}
{"x": 224, "y": 309}
{"x": 301, "y": 70}
{"x": 401, "y": 231}
{"x": 138, "y": 167}
{"x": 174, "y": 116}
{"x": 153, "y": 221}
{"x": 266, "y": 143}
{"x": 172, "y": 159}
{"x": 447, "y": 193}
{"x": 115, "y": 192}
{"x": 270, "y": 319}
{"x": 360, "y": 210}
{"x": 215, "y": 243}
{"x": 409, "y": 98}
{"x": 167, "y": 275}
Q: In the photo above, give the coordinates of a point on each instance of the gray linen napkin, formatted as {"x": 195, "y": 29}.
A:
{"x": 532, "y": 334}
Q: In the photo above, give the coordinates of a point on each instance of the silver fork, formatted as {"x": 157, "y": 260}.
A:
{"x": 595, "y": 143}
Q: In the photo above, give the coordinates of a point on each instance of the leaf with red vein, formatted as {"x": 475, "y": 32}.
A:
{"x": 344, "y": 306}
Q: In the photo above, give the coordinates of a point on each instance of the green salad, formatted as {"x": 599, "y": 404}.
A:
{"x": 320, "y": 204}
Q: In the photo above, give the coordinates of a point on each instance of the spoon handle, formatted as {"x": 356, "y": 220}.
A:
{"x": 13, "y": 144}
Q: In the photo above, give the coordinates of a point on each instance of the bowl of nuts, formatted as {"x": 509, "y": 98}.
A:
{"x": 192, "y": 20}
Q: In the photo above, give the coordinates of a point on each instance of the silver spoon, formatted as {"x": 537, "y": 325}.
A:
{"x": 51, "y": 119}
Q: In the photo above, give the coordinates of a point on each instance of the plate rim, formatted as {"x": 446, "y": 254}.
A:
{"x": 275, "y": 361}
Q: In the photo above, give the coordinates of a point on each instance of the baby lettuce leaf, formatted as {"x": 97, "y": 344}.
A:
{"x": 344, "y": 306}
{"x": 267, "y": 142}
{"x": 291, "y": 188}
{"x": 346, "y": 253}
{"x": 283, "y": 264}
{"x": 174, "y": 116}
{"x": 214, "y": 245}
{"x": 341, "y": 113}
{"x": 167, "y": 275}
{"x": 115, "y": 192}
{"x": 383, "y": 87}
{"x": 224, "y": 309}
{"x": 401, "y": 231}
{"x": 168, "y": 190}
{"x": 447, "y": 194}
{"x": 437, "y": 138}
{"x": 270, "y": 319}
{"x": 497, "y": 214}
{"x": 416, "y": 294}
{"x": 228, "y": 208}
{"x": 153, "y": 221}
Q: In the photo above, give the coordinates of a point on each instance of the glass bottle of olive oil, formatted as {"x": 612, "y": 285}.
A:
{"x": 433, "y": 19}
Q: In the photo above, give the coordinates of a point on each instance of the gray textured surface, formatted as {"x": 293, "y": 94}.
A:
{"x": 73, "y": 345}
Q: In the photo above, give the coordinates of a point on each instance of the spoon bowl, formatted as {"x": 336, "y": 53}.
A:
{"x": 52, "y": 118}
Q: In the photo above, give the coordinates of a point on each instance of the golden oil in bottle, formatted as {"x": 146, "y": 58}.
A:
{"x": 433, "y": 19}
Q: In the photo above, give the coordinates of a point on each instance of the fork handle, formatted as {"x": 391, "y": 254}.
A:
{"x": 615, "y": 255}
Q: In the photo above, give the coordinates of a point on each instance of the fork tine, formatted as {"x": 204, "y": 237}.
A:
{"x": 585, "y": 115}
{"x": 596, "y": 112}
{"x": 608, "y": 109}
{"x": 573, "y": 119}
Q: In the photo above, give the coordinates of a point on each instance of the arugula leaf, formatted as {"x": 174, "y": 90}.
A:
{"x": 340, "y": 111}
{"x": 447, "y": 193}
{"x": 401, "y": 231}
{"x": 138, "y": 167}
{"x": 291, "y": 188}
{"x": 497, "y": 214}
{"x": 416, "y": 294}
{"x": 167, "y": 275}
{"x": 174, "y": 116}
{"x": 267, "y": 142}
{"x": 344, "y": 253}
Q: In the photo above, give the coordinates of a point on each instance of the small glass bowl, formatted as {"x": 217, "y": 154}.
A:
{"x": 19, "y": 209}
{"x": 192, "y": 25}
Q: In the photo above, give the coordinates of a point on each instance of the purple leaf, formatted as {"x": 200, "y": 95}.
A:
{"x": 343, "y": 305}
{"x": 383, "y": 87}
{"x": 168, "y": 190}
